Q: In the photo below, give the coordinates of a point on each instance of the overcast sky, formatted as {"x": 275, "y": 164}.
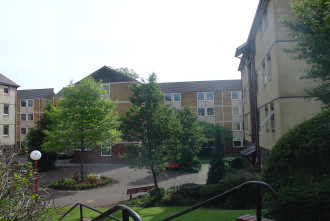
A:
{"x": 45, "y": 44}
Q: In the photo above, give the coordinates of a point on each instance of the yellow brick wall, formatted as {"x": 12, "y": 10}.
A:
{"x": 218, "y": 98}
{"x": 229, "y": 125}
{"x": 226, "y": 98}
{"x": 122, "y": 107}
{"x": 227, "y": 113}
{"x": 120, "y": 91}
{"x": 218, "y": 113}
{"x": 188, "y": 99}
{"x": 18, "y": 134}
{"x": 36, "y": 105}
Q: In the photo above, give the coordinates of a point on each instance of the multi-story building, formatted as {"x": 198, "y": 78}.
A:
{"x": 272, "y": 89}
{"x": 117, "y": 87}
{"x": 31, "y": 105}
{"x": 8, "y": 91}
{"x": 217, "y": 102}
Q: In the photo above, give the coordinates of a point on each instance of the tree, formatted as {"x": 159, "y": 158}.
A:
{"x": 36, "y": 138}
{"x": 298, "y": 168}
{"x": 128, "y": 72}
{"x": 154, "y": 125}
{"x": 191, "y": 139}
{"x": 86, "y": 119}
{"x": 16, "y": 200}
{"x": 311, "y": 29}
{"x": 217, "y": 166}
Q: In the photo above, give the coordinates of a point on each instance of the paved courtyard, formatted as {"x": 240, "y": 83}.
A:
{"x": 113, "y": 193}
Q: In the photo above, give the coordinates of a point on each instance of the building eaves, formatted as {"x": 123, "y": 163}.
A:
{"x": 47, "y": 93}
{"x": 201, "y": 86}
{"x": 6, "y": 81}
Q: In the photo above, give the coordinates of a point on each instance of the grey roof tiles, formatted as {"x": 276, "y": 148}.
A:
{"x": 47, "y": 93}
{"x": 6, "y": 81}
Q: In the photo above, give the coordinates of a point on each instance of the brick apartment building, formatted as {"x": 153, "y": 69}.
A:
{"x": 31, "y": 105}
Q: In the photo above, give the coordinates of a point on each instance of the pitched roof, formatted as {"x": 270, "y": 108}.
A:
{"x": 6, "y": 81}
{"x": 47, "y": 93}
{"x": 201, "y": 86}
{"x": 107, "y": 75}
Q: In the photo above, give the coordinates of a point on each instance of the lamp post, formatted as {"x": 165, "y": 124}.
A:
{"x": 36, "y": 155}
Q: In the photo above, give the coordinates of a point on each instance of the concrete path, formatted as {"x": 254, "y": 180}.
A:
{"x": 113, "y": 193}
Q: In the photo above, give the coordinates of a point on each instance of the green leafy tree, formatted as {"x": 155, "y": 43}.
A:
{"x": 86, "y": 119}
{"x": 311, "y": 29}
{"x": 128, "y": 72}
{"x": 191, "y": 140}
{"x": 217, "y": 167}
{"x": 154, "y": 125}
{"x": 36, "y": 138}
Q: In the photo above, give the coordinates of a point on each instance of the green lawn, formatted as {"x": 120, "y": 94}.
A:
{"x": 159, "y": 213}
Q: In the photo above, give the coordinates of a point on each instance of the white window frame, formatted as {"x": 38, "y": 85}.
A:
{"x": 5, "y": 109}
{"x": 269, "y": 67}
{"x": 28, "y": 101}
{"x": 207, "y": 111}
{"x": 172, "y": 96}
{"x": 240, "y": 139}
{"x": 240, "y": 126}
{"x": 21, "y": 117}
{"x": 205, "y": 97}
{"x": 28, "y": 117}
{"x": 4, "y": 128}
{"x": 238, "y": 95}
{"x": 201, "y": 108}
{"x": 24, "y": 102}
{"x": 106, "y": 155}
{"x": 264, "y": 73}
{"x": 266, "y": 20}
{"x": 239, "y": 110}
{"x": 108, "y": 92}
{"x": 26, "y": 131}
{"x": 4, "y": 90}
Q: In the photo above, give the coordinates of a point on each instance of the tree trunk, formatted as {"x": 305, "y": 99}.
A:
{"x": 82, "y": 178}
{"x": 155, "y": 178}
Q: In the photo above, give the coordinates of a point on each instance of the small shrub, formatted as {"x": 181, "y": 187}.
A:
{"x": 93, "y": 178}
{"x": 68, "y": 182}
{"x": 189, "y": 190}
{"x": 92, "y": 181}
{"x": 76, "y": 177}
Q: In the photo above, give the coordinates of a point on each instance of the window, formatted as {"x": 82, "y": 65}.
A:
{"x": 30, "y": 103}
{"x": 234, "y": 95}
{"x": 272, "y": 119}
{"x": 30, "y": 116}
{"x": 266, "y": 20}
{"x": 201, "y": 111}
{"x": 106, "y": 88}
{"x": 237, "y": 126}
{"x": 168, "y": 97}
{"x": 23, "y": 117}
{"x": 23, "y": 103}
{"x": 269, "y": 64}
{"x": 238, "y": 142}
{"x": 235, "y": 111}
{"x": 5, "y": 90}
{"x": 105, "y": 150}
{"x": 23, "y": 130}
{"x": 176, "y": 97}
{"x": 210, "y": 111}
{"x": 5, "y": 109}
{"x": 202, "y": 96}
{"x": 5, "y": 130}
{"x": 264, "y": 72}
{"x": 266, "y": 114}
{"x": 209, "y": 96}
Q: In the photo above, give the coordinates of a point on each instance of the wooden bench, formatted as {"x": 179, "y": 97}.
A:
{"x": 172, "y": 165}
{"x": 141, "y": 189}
{"x": 249, "y": 217}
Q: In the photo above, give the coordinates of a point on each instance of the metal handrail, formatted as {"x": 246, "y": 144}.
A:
{"x": 222, "y": 195}
{"x": 126, "y": 213}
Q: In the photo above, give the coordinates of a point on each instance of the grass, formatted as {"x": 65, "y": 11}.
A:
{"x": 160, "y": 213}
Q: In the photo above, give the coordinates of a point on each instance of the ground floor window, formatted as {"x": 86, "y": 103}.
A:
{"x": 106, "y": 150}
{"x": 238, "y": 142}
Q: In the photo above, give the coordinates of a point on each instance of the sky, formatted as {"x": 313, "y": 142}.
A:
{"x": 46, "y": 44}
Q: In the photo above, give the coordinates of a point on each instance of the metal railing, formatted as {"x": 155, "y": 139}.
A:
{"x": 126, "y": 213}
{"x": 222, "y": 195}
